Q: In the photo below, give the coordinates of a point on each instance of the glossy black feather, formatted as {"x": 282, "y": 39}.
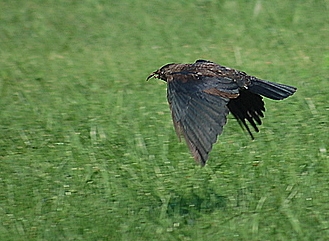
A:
{"x": 248, "y": 106}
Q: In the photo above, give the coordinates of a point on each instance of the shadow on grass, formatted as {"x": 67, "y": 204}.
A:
{"x": 191, "y": 206}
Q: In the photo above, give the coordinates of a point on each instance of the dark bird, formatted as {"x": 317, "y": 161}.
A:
{"x": 201, "y": 95}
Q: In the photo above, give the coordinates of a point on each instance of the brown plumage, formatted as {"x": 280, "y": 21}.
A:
{"x": 201, "y": 95}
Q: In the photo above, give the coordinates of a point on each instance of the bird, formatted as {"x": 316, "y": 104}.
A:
{"x": 202, "y": 94}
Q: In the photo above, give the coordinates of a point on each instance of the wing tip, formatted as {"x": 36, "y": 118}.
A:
{"x": 198, "y": 157}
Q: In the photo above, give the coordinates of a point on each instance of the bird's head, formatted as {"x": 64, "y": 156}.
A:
{"x": 162, "y": 73}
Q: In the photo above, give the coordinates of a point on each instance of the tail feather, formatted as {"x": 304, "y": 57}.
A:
{"x": 271, "y": 90}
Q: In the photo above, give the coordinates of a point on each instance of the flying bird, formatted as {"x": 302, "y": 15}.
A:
{"x": 201, "y": 95}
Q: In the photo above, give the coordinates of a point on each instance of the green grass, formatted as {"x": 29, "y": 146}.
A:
{"x": 87, "y": 147}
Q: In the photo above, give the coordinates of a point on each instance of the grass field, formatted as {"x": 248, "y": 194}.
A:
{"x": 87, "y": 146}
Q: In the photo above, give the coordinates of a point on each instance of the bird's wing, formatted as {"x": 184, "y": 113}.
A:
{"x": 199, "y": 113}
{"x": 248, "y": 106}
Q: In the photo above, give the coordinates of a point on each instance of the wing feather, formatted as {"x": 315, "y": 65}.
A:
{"x": 198, "y": 116}
{"x": 248, "y": 107}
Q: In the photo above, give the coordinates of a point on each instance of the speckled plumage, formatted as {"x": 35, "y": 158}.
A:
{"x": 201, "y": 95}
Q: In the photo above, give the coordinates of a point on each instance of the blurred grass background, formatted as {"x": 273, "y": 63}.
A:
{"x": 87, "y": 147}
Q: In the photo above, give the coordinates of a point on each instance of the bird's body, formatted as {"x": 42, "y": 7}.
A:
{"x": 201, "y": 95}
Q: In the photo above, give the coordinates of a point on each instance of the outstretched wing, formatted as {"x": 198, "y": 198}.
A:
{"x": 199, "y": 113}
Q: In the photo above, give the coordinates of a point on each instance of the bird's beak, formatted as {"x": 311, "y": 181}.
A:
{"x": 150, "y": 76}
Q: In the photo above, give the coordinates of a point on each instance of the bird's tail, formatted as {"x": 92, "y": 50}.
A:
{"x": 271, "y": 90}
